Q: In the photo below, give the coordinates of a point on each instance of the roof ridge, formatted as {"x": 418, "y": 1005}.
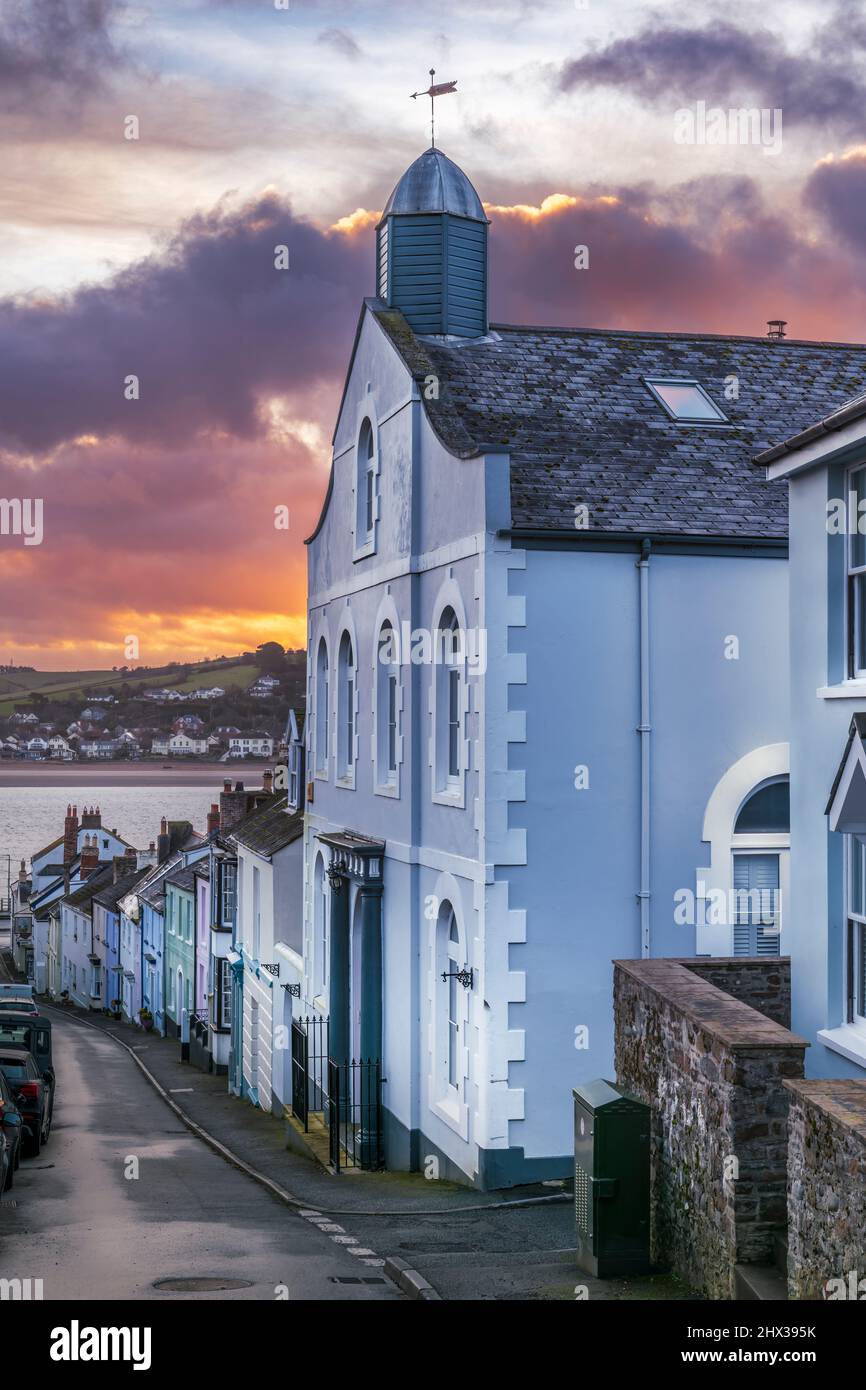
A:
{"x": 685, "y": 334}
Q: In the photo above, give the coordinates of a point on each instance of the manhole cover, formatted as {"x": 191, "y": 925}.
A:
{"x": 201, "y": 1285}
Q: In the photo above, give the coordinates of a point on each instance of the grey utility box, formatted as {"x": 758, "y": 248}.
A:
{"x": 611, "y": 1180}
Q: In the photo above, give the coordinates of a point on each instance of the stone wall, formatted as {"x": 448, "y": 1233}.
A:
{"x": 713, "y": 1069}
{"x": 762, "y": 983}
{"x": 827, "y": 1188}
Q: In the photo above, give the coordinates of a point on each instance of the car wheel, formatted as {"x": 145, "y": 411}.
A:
{"x": 35, "y": 1145}
{"x": 47, "y": 1130}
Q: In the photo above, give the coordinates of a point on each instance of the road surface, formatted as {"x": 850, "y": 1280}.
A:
{"x": 89, "y": 1232}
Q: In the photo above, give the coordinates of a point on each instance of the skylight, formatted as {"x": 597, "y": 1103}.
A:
{"x": 686, "y": 400}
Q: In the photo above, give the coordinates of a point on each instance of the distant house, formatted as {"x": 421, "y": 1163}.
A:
{"x": 87, "y": 716}
{"x": 98, "y": 746}
{"x": 186, "y": 745}
{"x": 21, "y": 718}
{"x": 215, "y": 692}
{"x": 58, "y": 747}
{"x": 37, "y": 747}
{"x": 251, "y": 746}
{"x": 263, "y": 687}
{"x": 187, "y": 723}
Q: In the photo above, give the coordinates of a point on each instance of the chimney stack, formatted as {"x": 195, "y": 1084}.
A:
{"x": 70, "y": 834}
{"x": 267, "y": 782}
{"x": 213, "y": 820}
{"x": 233, "y": 805}
{"x": 123, "y": 864}
{"x": 89, "y": 857}
{"x": 163, "y": 843}
{"x": 91, "y": 819}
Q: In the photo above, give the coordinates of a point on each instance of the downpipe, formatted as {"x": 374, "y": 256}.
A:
{"x": 644, "y": 729}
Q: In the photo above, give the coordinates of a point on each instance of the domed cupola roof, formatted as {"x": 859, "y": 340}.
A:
{"x": 434, "y": 184}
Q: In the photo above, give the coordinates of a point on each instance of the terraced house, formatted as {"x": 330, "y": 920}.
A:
{"x": 548, "y": 698}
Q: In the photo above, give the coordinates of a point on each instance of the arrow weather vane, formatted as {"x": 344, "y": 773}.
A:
{"x": 436, "y": 89}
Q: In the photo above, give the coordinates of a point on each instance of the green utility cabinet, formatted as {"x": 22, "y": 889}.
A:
{"x": 611, "y": 1180}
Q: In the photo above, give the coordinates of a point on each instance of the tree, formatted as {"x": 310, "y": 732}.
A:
{"x": 270, "y": 658}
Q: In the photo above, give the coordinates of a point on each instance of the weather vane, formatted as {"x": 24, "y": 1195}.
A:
{"x": 436, "y": 89}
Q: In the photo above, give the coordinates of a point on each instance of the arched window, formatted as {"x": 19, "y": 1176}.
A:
{"x": 453, "y": 1002}
{"x": 757, "y": 917}
{"x": 742, "y": 892}
{"x": 768, "y": 810}
{"x": 451, "y": 1010}
{"x": 449, "y": 657}
{"x": 346, "y": 709}
{"x": 387, "y": 708}
{"x": 322, "y": 708}
{"x": 365, "y": 488}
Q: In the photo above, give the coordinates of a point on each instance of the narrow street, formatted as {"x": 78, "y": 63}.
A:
{"x": 74, "y": 1220}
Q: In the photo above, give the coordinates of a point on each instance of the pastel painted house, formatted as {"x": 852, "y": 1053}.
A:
{"x": 547, "y": 685}
{"x": 269, "y": 940}
{"x": 179, "y": 946}
{"x": 825, "y": 468}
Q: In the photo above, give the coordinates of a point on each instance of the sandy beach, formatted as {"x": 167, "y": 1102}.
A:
{"x": 181, "y": 773}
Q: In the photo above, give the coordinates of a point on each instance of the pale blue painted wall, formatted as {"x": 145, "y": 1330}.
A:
{"x": 582, "y": 702}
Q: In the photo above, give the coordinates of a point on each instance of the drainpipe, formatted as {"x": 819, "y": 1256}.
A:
{"x": 645, "y": 730}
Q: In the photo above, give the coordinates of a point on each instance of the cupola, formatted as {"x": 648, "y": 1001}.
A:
{"x": 431, "y": 250}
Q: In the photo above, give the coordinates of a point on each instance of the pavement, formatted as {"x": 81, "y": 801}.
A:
{"x": 468, "y": 1245}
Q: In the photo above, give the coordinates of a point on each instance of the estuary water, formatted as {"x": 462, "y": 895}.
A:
{"x": 133, "y": 802}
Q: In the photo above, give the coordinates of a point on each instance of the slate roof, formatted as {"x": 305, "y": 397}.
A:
{"x": 83, "y": 896}
{"x": 269, "y": 829}
{"x": 182, "y": 877}
{"x": 46, "y": 848}
{"x": 111, "y": 895}
{"x": 828, "y": 424}
{"x": 571, "y": 408}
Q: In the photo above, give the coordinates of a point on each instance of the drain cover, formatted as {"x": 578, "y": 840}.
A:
{"x": 201, "y": 1285}
{"x": 354, "y": 1279}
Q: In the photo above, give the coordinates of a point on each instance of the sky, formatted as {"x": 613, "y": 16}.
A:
{"x": 258, "y": 123}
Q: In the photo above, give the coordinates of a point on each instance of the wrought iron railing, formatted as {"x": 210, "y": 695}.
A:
{"x": 309, "y": 1068}
{"x": 355, "y": 1114}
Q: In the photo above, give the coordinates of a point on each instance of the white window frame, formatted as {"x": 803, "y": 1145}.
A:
{"x": 448, "y": 789}
{"x": 385, "y": 677}
{"x": 855, "y": 580}
{"x": 321, "y": 741}
{"x": 855, "y": 944}
{"x": 770, "y": 763}
{"x": 446, "y": 1100}
{"x": 346, "y": 708}
{"x": 366, "y": 483}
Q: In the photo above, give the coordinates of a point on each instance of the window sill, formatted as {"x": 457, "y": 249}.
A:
{"x": 449, "y": 798}
{"x": 347, "y": 783}
{"x": 387, "y": 789}
{"x": 454, "y": 1114}
{"x": 848, "y": 1041}
{"x": 845, "y": 690}
{"x": 362, "y": 552}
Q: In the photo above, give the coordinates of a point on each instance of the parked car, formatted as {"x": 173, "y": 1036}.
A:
{"x": 21, "y": 1003}
{"x": 6, "y": 1168}
{"x": 29, "y": 1091}
{"x": 33, "y": 1032}
{"x": 22, "y": 995}
{"x": 12, "y": 1129}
